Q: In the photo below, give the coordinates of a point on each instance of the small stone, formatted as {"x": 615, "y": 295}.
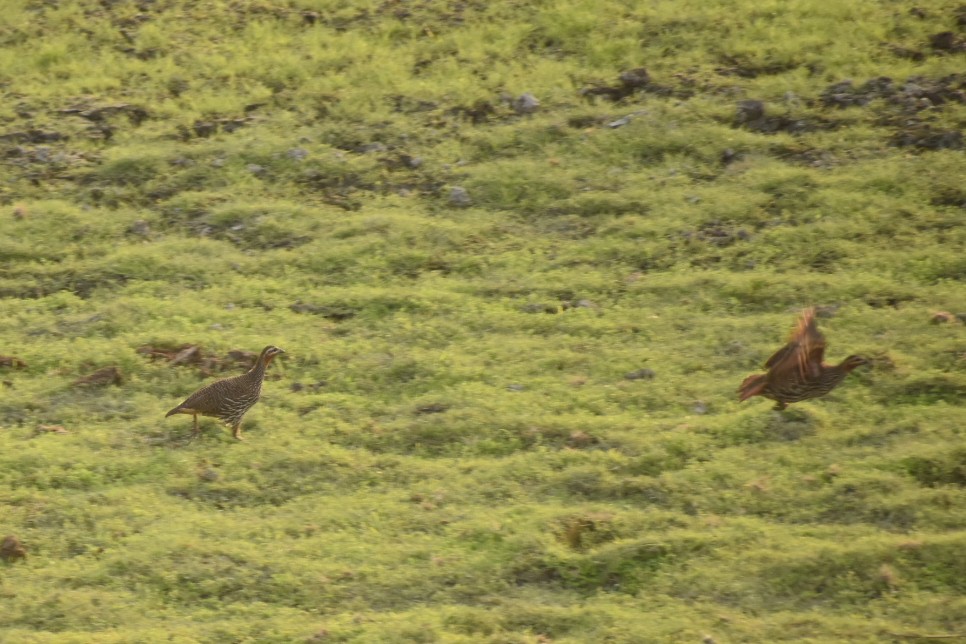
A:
{"x": 432, "y": 408}
{"x": 536, "y": 307}
{"x": 140, "y": 227}
{"x": 621, "y": 122}
{"x": 11, "y": 549}
{"x": 944, "y": 41}
{"x": 100, "y": 378}
{"x": 750, "y": 110}
{"x": 255, "y": 169}
{"x": 635, "y": 78}
{"x": 515, "y": 387}
{"x": 580, "y": 439}
{"x": 728, "y": 156}
{"x": 297, "y": 154}
{"x": 942, "y": 317}
{"x": 700, "y": 408}
{"x": 208, "y": 474}
{"x": 51, "y": 429}
{"x": 376, "y": 146}
{"x": 640, "y": 374}
{"x": 526, "y": 103}
{"x": 458, "y": 196}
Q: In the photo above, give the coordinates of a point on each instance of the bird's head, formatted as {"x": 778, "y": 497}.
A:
{"x": 269, "y": 353}
{"x": 853, "y": 361}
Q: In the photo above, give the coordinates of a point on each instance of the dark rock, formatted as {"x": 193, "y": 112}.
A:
{"x": 329, "y": 312}
{"x": 925, "y": 137}
{"x": 635, "y": 78}
{"x": 749, "y": 110}
{"x": 11, "y": 549}
{"x": 944, "y": 41}
{"x": 204, "y": 129}
{"x": 640, "y": 374}
{"x": 907, "y": 53}
{"x": 728, "y": 156}
{"x": 535, "y": 307}
{"x": 140, "y": 227}
{"x": 432, "y": 408}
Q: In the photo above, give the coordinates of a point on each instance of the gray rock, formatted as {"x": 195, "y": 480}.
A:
{"x": 750, "y": 110}
{"x": 526, "y": 103}
{"x": 140, "y": 227}
{"x": 640, "y": 374}
{"x": 458, "y": 196}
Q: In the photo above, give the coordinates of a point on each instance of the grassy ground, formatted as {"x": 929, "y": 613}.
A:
{"x": 463, "y": 443}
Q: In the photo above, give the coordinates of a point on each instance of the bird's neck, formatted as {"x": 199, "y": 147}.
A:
{"x": 838, "y": 372}
{"x": 258, "y": 371}
{"x": 845, "y": 367}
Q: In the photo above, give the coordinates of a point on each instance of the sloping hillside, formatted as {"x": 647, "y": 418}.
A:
{"x": 520, "y": 256}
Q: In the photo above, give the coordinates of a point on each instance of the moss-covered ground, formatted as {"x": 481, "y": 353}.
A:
{"x": 518, "y": 279}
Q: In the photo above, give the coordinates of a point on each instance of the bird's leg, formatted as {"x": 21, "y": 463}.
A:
{"x": 194, "y": 433}
{"x": 780, "y": 406}
{"x": 236, "y": 431}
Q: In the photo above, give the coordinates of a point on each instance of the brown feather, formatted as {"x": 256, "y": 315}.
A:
{"x": 796, "y": 371}
{"x": 229, "y": 399}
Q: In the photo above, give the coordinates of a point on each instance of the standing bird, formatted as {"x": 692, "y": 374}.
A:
{"x": 796, "y": 371}
{"x": 228, "y": 399}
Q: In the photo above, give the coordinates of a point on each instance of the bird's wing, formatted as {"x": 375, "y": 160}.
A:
{"x": 206, "y": 399}
{"x": 804, "y": 351}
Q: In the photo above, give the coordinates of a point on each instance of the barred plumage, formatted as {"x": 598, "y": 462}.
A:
{"x": 796, "y": 371}
{"x": 228, "y": 399}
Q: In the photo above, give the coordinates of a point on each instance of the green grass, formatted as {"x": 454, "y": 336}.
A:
{"x": 451, "y": 451}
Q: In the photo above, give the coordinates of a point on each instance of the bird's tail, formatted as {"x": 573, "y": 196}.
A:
{"x": 752, "y": 386}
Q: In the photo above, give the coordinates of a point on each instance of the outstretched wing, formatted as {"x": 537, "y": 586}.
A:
{"x": 804, "y": 351}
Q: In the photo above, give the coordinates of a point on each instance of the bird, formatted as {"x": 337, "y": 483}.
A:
{"x": 796, "y": 371}
{"x": 230, "y": 398}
